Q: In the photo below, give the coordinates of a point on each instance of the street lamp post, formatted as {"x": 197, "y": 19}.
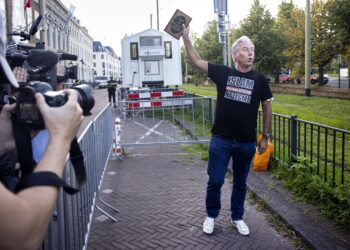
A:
{"x": 307, "y": 48}
{"x": 157, "y": 16}
{"x": 339, "y": 63}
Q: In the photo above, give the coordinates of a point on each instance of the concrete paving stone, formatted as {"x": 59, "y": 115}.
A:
{"x": 162, "y": 205}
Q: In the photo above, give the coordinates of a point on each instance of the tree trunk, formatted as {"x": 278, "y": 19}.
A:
{"x": 277, "y": 78}
{"x": 320, "y": 75}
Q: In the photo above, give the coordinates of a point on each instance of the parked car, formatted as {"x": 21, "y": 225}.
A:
{"x": 103, "y": 84}
{"x": 284, "y": 77}
{"x": 314, "y": 78}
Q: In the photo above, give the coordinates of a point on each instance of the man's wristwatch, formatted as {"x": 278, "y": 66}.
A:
{"x": 266, "y": 136}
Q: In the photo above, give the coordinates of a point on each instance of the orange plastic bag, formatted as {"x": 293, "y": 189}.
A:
{"x": 261, "y": 161}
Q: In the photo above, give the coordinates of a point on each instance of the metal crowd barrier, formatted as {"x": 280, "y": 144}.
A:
{"x": 71, "y": 222}
{"x": 163, "y": 121}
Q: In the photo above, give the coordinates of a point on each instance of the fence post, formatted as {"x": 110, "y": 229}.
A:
{"x": 210, "y": 110}
{"x": 293, "y": 136}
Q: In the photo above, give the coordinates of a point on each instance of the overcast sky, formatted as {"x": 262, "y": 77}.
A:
{"x": 109, "y": 20}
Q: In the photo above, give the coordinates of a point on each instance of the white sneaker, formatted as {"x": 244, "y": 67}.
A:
{"x": 241, "y": 227}
{"x": 208, "y": 225}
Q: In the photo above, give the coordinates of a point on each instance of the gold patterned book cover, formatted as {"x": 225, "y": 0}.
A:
{"x": 174, "y": 27}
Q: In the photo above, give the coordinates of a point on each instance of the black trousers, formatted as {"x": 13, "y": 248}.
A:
{"x": 111, "y": 96}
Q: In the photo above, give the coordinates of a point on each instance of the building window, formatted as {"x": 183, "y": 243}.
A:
{"x": 102, "y": 56}
{"x": 150, "y": 41}
{"x": 103, "y": 65}
{"x": 94, "y": 65}
{"x": 36, "y": 14}
{"x": 48, "y": 35}
{"x": 151, "y": 67}
{"x": 94, "y": 56}
{"x": 134, "y": 51}
{"x": 59, "y": 40}
{"x": 168, "y": 50}
{"x": 54, "y": 38}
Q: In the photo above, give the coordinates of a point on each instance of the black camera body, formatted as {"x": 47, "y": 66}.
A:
{"x": 27, "y": 113}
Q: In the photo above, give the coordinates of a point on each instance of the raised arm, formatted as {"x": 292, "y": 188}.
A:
{"x": 196, "y": 60}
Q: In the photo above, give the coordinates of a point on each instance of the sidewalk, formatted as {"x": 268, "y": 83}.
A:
{"x": 160, "y": 192}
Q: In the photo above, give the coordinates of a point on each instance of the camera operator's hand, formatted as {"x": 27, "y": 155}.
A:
{"x": 6, "y": 133}
{"x": 62, "y": 122}
{"x": 20, "y": 74}
{"x": 60, "y": 70}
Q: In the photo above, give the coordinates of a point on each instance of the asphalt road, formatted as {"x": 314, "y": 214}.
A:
{"x": 334, "y": 82}
{"x": 101, "y": 100}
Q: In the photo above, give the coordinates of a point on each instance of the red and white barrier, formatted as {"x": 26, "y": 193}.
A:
{"x": 157, "y": 99}
{"x": 150, "y": 95}
{"x": 159, "y": 103}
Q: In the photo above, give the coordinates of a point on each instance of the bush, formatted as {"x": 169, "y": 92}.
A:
{"x": 334, "y": 201}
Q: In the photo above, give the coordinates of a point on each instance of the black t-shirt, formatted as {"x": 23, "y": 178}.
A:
{"x": 238, "y": 99}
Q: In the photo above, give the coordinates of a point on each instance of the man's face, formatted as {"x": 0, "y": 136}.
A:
{"x": 245, "y": 56}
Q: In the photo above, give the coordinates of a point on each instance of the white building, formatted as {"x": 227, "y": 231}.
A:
{"x": 57, "y": 35}
{"x": 151, "y": 59}
{"x": 85, "y": 55}
{"x": 106, "y": 63}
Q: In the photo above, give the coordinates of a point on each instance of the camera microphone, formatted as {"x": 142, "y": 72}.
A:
{"x": 42, "y": 58}
{"x": 66, "y": 56}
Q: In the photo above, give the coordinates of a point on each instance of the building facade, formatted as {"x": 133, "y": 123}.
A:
{"x": 59, "y": 32}
{"x": 106, "y": 64}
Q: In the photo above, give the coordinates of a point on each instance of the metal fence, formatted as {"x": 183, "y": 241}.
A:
{"x": 326, "y": 148}
{"x": 69, "y": 228}
{"x": 163, "y": 121}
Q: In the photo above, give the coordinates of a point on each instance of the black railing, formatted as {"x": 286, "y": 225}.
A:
{"x": 326, "y": 148}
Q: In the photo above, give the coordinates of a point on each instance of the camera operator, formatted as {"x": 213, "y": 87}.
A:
{"x": 25, "y": 216}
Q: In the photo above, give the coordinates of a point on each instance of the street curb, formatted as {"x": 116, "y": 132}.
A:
{"x": 304, "y": 219}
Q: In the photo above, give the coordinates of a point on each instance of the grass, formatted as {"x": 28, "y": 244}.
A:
{"x": 331, "y": 112}
{"x": 319, "y": 181}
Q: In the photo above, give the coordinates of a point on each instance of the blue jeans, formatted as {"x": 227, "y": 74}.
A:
{"x": 221, "y": 149}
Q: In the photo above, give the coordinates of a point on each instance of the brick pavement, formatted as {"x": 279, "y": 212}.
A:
{"x": 160, "y": 192}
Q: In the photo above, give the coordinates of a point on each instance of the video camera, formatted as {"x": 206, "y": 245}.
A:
{"x": 40, "y": 65}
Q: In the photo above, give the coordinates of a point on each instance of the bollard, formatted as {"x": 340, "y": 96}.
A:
{"x": 117, "y": 148}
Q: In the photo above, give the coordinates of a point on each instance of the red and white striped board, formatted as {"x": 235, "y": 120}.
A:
{"x": 157, "y": 99}
{"x": 159, "y": 103}
{"x": 150, "y": 95}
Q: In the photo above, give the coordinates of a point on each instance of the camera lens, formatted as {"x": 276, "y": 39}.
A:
{"x": 85, "y": 99}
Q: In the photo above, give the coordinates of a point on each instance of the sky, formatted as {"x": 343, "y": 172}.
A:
{"x": 109, "y": 21}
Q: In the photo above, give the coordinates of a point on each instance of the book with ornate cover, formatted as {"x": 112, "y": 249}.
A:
{"x": 174, "y": 27}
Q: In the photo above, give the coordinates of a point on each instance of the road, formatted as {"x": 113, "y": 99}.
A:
{"x": 334, "y": 82}
{"x": 101, "y": 100}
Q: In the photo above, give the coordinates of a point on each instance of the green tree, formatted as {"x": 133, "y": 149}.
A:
{"x": 208, "y": 48}
{"x": 259, "y": 26}
{"x": 326, "y": 42}
{"x": 339, "y": 16}
{"x": 285, "y": 23}
{"x": 294, "y": 34}
{"x": 186, "y": 64}
{"x": 208, "y": 45}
